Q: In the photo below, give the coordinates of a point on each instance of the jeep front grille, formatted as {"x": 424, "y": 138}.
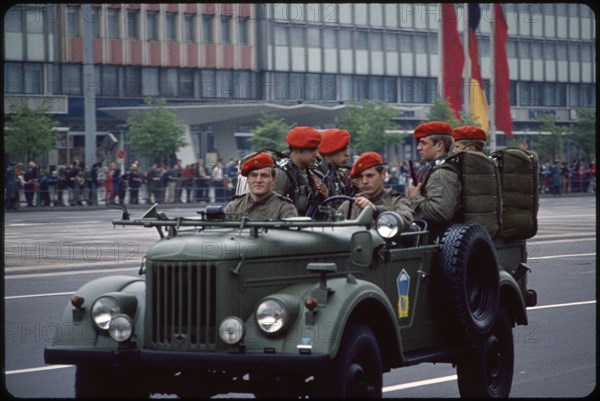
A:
{"x": 181, "y": 309}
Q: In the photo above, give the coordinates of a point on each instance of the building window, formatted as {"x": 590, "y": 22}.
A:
{"x": 36, "y": 48}
{"x": 13, "y": 77}
{"x": 207, "y": 28}
{"x": 530, "y": 94}
{"x": 114, "y": 30}
{"x": 390, "y": 90}
{"x": 313, "y": 37}
{"x": 71, "y": 80}
{"x": 281, "y": 35}
{"x": 151, "y": 26}
{"x": 360, "y": 88}
{"x": 133, "y": 82}
{"x": 329, "y": 38}
{"x": 224, "y": 84}
{"x": 150, "y": 82}
{"x": 95, "y": 20}
{"x": 328, "y": 87}
{"x": 186, "y": 83}
{"x": 171, "y": 27}
{"x": 190, "y": 28}
{"x": 376, "y": 41}
{"x": 243, "y": 31}
{"x": 72, "y": 21}
{"x": 109, "y": 82}
{"x": 226, "y": 30}
{"x": 133, "y": 25}
{"x": 168, "y": 82}
{"x": 209, "y": 84}
{"x": 361, "y": 40}
{"x": 297, "y": 36}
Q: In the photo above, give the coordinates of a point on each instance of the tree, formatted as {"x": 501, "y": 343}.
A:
{"x": 549, "y": 147}
{"x": 583, "y": 134}
{"x": 441, "y": 111}
{"x": 367, "y": 123}
{"x": 29, "y": 132}
{"x": 157, "y": 133}
{"x": 270, "y": 134}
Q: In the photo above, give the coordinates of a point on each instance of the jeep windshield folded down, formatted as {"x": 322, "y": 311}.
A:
{"x": 297, "y": 308}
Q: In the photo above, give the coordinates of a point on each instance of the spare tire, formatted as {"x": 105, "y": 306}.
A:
{"x": 470, "y": 269}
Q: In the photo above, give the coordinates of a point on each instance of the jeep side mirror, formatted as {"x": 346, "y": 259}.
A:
{"x": 361, "y": 248}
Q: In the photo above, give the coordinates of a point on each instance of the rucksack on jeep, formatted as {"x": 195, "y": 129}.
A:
{"x": 481, "y": 200}
{"x": 519, "y": 183}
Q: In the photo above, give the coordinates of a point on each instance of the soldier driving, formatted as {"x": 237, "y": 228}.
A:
{"x": 260, "y": 203}
{"x": 369, "y": 174}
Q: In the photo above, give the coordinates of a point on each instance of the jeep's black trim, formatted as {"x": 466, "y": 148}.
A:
{"x": 182, "y": 359}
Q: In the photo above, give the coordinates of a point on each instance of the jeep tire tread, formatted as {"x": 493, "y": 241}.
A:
{"x": 470, "y": 271}
{"x": 487, "y": 371}
{"x": 357, "y": 368}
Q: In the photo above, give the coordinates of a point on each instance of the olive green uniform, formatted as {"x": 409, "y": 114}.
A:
{"x": 439, "y": 200}
{"x": 273, "y": 207}
{"x": 295, "y": 183}
{"x": 387, "y": 200}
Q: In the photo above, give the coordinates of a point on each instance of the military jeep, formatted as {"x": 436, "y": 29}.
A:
{"x": 297, "y": 308}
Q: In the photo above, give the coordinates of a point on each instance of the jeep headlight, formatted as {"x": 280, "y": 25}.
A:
{"x": 231, "y": 330}
{"x": 121, "y": 328}
{"x": 389, "y": 225}
{"x": 271, "y": 316}
{"x": 275, "y": 313}
{"x": 106, "y": 307}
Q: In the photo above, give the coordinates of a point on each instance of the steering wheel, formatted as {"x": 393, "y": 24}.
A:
{"x": 340, "y": 198}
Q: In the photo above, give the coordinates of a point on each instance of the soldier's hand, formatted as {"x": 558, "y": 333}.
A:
{"x": 323, "y": 190}
{"x": 413, "y": 190}
{"x": 363, "y": 202}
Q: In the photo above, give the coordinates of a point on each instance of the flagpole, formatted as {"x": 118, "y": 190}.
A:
{"x": 441, "y": 53}
{"x": 493, "y": 89}
{"x": 467, "y": 68}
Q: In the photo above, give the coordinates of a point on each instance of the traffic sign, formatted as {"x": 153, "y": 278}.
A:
{"x": 121, "y": 154}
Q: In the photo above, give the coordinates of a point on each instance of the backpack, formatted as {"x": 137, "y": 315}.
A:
{"x": 481, "y": 200}
{"x": 519, "y": 183}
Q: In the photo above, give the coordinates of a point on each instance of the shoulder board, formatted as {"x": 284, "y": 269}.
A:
{"x": 395, "y": 193}
{"x": 239, "y": 196}
{"x": 285, "y": 198}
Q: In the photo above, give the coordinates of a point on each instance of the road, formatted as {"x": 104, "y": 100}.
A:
{"x": 48, "y": 255}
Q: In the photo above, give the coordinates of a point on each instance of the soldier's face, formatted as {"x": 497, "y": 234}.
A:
{"x": 429, "y": 150}
{"x": 370, "y": 182}
{"x": 260, "y": 182}
{"x": 305, "y": 157}
{"x": 339, "y": 158}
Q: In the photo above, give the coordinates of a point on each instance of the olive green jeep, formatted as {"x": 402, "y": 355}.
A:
{"x": 297, "y": 308}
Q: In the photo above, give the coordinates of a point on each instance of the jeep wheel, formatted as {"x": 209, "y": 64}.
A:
{"x": 104, "y": 382}
{"x": 488, "y": 370}
{"x": 469, "y": 266}
{"x": 357, "y": 370}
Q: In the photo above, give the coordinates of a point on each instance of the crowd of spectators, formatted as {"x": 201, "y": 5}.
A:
{"x": 80, "y": 184}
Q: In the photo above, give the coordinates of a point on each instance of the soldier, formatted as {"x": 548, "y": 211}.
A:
{"x": 260, "y": 203}
{"x": 469, "y": 139}
{"x": 436, "y": 197}
{"x": 300, "y": 179}
{"x": 369, "y": 174}
{"x": 334, "y": 148}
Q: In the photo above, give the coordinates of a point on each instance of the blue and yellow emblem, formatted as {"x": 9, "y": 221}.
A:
{"x": 403, "y": 283}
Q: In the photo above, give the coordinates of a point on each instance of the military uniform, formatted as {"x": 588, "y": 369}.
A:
{"x": 387, "y": 200}
{"x": 297, "y": 184}
{"x": 273, "y": 207}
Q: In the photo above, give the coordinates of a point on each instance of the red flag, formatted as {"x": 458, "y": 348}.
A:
{"x": 477, "y": 93}
{"x": 502, "y": 79}
{"x": 453, "y": 59}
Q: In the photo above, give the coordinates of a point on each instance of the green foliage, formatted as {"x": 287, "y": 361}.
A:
{"x": 29, "y": 132}
{"x": 469, "y": 119}
{"x": 549, "y": 147}
{"x": 367, "y": 122}
{"x": 582, "y": 135}
{"x": 157, "y": 133}
{"x": 270, "y": 134}
{"x": 441, "y": 111}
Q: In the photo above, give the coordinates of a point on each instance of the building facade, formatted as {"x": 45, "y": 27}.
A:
{"x": 220, "y": 66}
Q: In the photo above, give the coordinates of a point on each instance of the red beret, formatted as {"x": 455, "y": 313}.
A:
{"x": 257, "y": 162}
{"x": 334, "y": 140}
{"x": 432, "y": 128}
{"x": 303, "y": 137}
{"x": 469, "y": 132}
{"x": 365, "y": 161}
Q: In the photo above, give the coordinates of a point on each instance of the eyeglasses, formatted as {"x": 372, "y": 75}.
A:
{"x": 254, "y": 176}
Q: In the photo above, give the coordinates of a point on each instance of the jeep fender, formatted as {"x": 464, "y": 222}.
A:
{"x": 321, "y": 330}
{"x": 511, "y": 297}
{"x": 76, "y": 327}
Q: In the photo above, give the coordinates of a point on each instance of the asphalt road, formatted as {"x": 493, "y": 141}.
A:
{"x": 48, "y": 255}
